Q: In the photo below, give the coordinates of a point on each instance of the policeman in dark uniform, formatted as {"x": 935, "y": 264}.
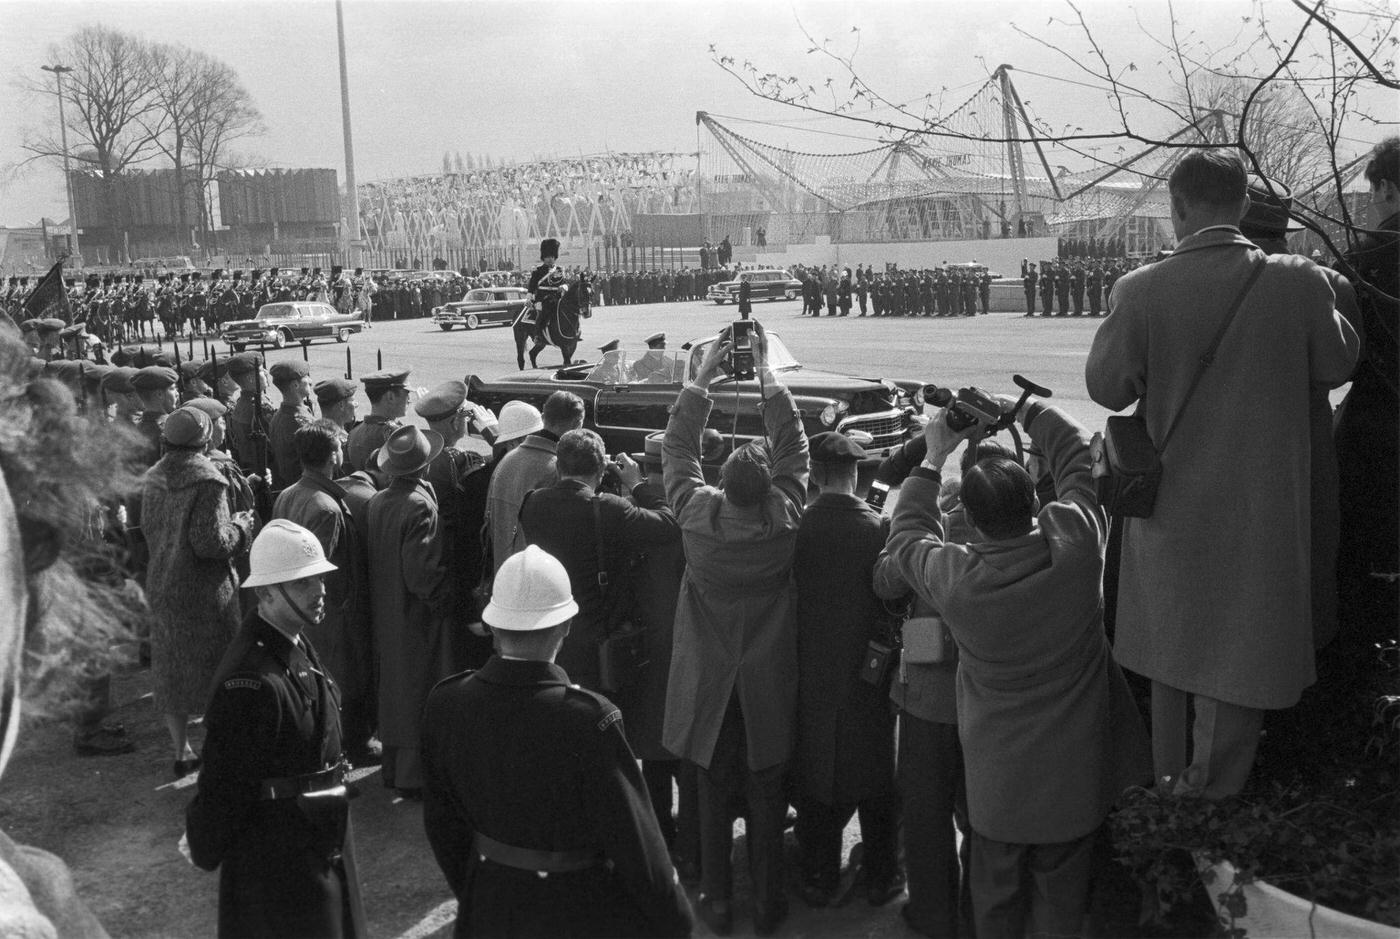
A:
{"x": 272, "y": 811}
{"x": 1062, "y": 279}
{"x": 1029, "y": 281}
{"x": 533, "y": 802}
{"x": 1076, "y": 287}
{"x": 1047, "y": 288}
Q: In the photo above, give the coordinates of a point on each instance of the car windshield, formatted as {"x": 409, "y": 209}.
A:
{"x": 639, "y": 366}
{"x": 779, "y": 357}
{"x": 479, "y": 296}
{"x": 277, "y": 311}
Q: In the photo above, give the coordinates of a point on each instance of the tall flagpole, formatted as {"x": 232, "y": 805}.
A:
{"x": 350, "y": 231}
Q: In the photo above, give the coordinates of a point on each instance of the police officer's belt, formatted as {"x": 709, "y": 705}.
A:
{"x": 289, "y": 787}
{"x": 529, "y": 859}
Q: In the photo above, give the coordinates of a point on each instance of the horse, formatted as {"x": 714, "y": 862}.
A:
{"x": 563, "y": 329}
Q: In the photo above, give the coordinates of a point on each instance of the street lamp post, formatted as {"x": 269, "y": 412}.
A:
{"x": 353, "y": 209}
{"x": 58, "y": 71}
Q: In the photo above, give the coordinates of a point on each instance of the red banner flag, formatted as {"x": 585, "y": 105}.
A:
{"x": 49, "y": 299}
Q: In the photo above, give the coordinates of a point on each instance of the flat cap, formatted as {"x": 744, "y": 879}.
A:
{"x": 51, "y": 325}
{"x": 288, "y": 371}
{"x": 386, "y": 378}
{"x": 831, "y": 447}
{"x": 30, "y": 325}
{"x": 118, "y": 380}
{"x": 655, "y": 341}
{"x": 187, "y": 427}
{"x": 211, "y": 406}
{"x": 333, "y": 390}
{"x": 154, "y": 378}
{"x": 68, "y": 332}
{"x": 443, "y": 401}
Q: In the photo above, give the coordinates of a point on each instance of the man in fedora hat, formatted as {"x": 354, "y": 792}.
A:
{"x": 409, "y": 599}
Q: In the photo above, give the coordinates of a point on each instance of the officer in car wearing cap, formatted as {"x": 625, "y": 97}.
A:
{"x": 654, "y": 366}
{"x": 533, "y": 802}
{"x": 272, "y": 812}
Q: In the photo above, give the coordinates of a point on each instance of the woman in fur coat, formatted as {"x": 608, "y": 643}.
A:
{"x": 191, "y": 583}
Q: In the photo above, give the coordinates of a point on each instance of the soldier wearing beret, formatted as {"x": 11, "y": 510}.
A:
{"x": 117, "y": 391}
{"x": 845, "y": 736}
{"x": 293, "y": 382}
{"x": 336, "y": 399}
{"x": 252, "y": 415}
{"x": 449, "y": 413}
{"x": 155, "y": 386}
{"x": 387, "y": 391}
{"x": 555, "y": 838}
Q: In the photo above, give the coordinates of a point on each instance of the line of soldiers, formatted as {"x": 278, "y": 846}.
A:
{"x": 1071, "y": 283}
{"x": 939, "y": 292}
{"x": 121, "y": 307}
{"x": 659, "y": 286}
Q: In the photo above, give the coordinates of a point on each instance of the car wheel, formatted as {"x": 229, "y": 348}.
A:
{"x": 790, "y": 295}
{"x": 473, "y": 321}
{"x": 342, "y": 334}
{"x": 279, "y": 340}
{"x": 445, "y": 327}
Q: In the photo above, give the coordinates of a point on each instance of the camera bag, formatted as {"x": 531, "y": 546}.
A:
{"x": 1128, "y": 466}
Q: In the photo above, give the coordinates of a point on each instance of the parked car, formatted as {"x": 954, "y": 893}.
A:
{"x": 628, "y": 394}
{"x": 277, "y": 324}
{"x": 764, "y": 285}
{"x": 482, "y": 306}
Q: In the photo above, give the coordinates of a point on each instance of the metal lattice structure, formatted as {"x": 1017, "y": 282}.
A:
{"x": 503, "y": 211}
{"x": 965, "y": 182}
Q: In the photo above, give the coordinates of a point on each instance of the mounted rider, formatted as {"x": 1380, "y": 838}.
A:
{"x": 546, "y": 286}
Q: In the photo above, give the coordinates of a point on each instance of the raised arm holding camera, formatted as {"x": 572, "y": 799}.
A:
{"x": 732, "y": 698}
{"x": 1049, "y": 730}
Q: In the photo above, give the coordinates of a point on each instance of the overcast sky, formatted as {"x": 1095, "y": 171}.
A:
{"x": 515, "y": 79}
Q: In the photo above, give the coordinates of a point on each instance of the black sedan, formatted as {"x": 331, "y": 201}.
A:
{"x": 628, "y": 394}
{"x": 483, "y": 306}
{"x": 278, "y": 324}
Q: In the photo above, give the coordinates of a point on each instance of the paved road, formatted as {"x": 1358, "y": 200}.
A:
{"x": 117, "y": 820}
{"x": 983, "y": 351}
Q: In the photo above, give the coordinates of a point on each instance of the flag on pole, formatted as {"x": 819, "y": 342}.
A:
{"x": 49, "y": 299}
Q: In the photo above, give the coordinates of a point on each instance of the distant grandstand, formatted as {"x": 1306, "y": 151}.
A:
{"x": 619, "y": 209}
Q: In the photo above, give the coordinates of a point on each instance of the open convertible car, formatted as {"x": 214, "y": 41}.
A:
{"x": 628, "y": 395}
{"x": 278, "y": 324}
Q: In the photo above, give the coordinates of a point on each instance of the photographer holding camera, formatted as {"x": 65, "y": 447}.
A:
{"x": 1049, "y": 730}
{"x": 732, "y": 699}
{"x": 591, "y": 532}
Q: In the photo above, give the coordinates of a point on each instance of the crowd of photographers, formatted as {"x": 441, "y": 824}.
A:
{"x": 745, "y": 622}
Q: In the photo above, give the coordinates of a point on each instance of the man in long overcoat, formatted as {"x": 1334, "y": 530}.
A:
{"x": 845, "y": 728}
{"x": 317, "y": 503}
{"x": 1050, "y": 733}
{"x": 1214, "y": 598}
{"x": 408, "y": 599}
{"x": 731, "y": 703}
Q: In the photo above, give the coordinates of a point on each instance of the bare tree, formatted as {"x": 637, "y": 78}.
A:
{"x": 176, "y": 73}
{"x": 221, "y": 114}
{"x": 112, "y": 112}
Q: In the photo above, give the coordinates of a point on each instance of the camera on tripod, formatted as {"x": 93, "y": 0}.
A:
{"x": 740, "y": 358}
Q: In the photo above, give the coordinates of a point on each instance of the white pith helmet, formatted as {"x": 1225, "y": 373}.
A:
{"x": 518, "y": 419}
{"x": 283, "y": 552}
{"x": 531, "y": 591}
